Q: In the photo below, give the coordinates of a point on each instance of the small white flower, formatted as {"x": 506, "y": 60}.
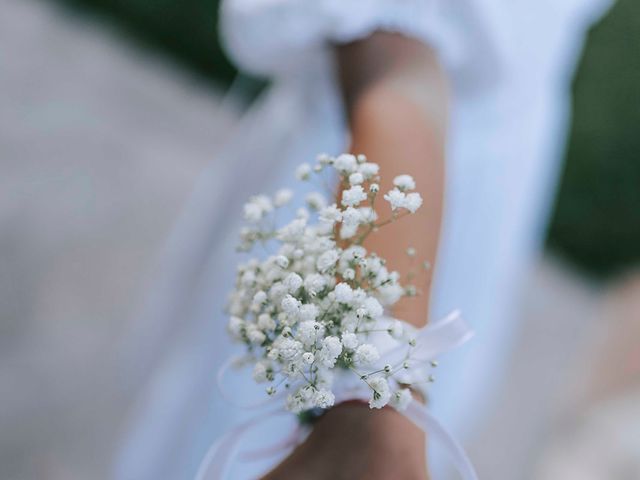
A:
{"x": 349, "y": 341}
{"x": 307, "y": 264}
{"x": 266, "y": 322}
{"x": 308, "y": 312}
{"x": 324, "y": 228}
{"x": 348, "y": 231}
{"x": 295, "y": 403}
{"x": 390, "y": 294}
{"x": 333, "y": 345}
{"x": 359, "y": 296}
{"x": 324, "y": 398}
{"x": 286, "y": 321}
{"x": 290, "y": 305}
{"x": 353, "y": 196}
{"x": 277, "y": 292}
{"x": 303, "y": 171}
{"x": 324, "y": 159}
{"x": 293, "y": 282}
{"x": 368, "y": 214}
{"x": 345, "y": 163}
{"x": 316, "y": 201}
{"x": 308, "y": 332}
{"x": 356, "y": 178}
{"x": 282, "y": 197}
{"x": 380, "y": 395}
{"x": 236, "y": 327}
{"x": 368, "y": 169}
{"x": 252, "y": 212}
{"x": 351, "y": 217}
{"x": 260, "y": 371}
{"x": 255, "y": 336}
{"x": 396, "y": 198}
{"x": 331, "y": 349}
{"x": 327, "y": 260}
{"x": 248, "y": 278}
{"x": 354, "y": 253}
{"x": 236, "y": 308}
{"x": 264, "y": 202}
{"x": 293, "y": 231}
{"x": 260, "y": 297}
{"x": 273, "y": 354}
{"x": 308, "y": 358}
{"x": 257, "y": 207}
{"x": 314, "y": 282}
{"x": 349, "y": 322}
{"x": 349, "y": 274}
{"x": 413, "y": 202}
{"x": 373, "y": 307}
{"x": 307, "y": 393}
{"x": 289, "y": 348}
{"x": 366, "y": 354}
{"x": 320, "y": 244}
{"x": 282, "y": 261}
{"x": 293, "y": 369}
{"x": 401, "y": 399}
{"x": 396, "y": 329}
{"x": 330, "y": 214}
{"x": 374, "y": 265}
{"x": 343, "y": 293}
{"x": 404, "y": 182}
{"x": 374, "y": 188}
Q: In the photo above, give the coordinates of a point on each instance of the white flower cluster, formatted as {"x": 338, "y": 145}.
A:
{"x": 313, "y": 305}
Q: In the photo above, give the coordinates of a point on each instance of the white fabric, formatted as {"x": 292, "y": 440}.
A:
{"x": 510, "y": 63}
{"x": 280, "y": 38}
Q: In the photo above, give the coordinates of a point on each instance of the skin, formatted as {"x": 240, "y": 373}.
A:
{"x": 396, "y": 99}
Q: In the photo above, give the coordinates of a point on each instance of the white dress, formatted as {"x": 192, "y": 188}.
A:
{"x": 510, "y": 63}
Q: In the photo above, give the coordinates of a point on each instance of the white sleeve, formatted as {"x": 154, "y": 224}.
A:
{"x": 274, "y": 37}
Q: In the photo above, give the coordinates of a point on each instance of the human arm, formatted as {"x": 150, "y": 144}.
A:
{"x": 396, "y": 100}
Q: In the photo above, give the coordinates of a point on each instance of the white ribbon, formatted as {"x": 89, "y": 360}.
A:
{"x": 432, "y": 340}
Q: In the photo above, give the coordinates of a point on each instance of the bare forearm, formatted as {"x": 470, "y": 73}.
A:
{"x": 395, "y": 94}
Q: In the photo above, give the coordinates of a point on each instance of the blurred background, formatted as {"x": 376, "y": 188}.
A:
{"x": 110, "y": 109}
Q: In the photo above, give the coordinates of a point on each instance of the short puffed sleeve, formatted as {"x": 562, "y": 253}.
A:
{"x": 278, "y": 37}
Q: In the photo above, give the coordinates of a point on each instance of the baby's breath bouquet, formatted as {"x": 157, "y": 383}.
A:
{"x": 314, "y": 308}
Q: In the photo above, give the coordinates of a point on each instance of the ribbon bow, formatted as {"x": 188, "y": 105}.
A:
{"x": 432, "y": 340}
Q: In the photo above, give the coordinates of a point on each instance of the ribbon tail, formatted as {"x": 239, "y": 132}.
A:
{"x": 443, "y": 336}
{"x": 216, "y": 462}
{"x": 420, "y": 416}
{"x": 436, "y": 338}
{"x": 221, "y": 454}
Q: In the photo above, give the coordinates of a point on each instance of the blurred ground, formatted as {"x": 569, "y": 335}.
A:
{"x": 99, "y": 146}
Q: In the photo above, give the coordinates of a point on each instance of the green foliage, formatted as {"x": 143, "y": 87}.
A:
{"x": 597, "y": 217}
{"x": 185, "y": 29}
